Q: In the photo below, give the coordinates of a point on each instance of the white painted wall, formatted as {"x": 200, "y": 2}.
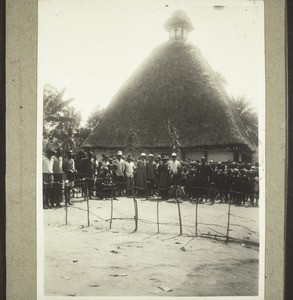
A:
{"x": 220, "y": 155}
{"x": 194, "y": 155}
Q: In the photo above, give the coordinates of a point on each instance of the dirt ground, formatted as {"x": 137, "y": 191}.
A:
{"x": 98, "y": 261}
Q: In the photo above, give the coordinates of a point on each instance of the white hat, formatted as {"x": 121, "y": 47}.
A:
{"x": 143, "y": 154}
{"x": 173, "y": 154}
{"x": 151, "y": 155}
{"x": 119, "y": 153}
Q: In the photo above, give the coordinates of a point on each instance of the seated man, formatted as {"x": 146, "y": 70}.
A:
{"x": 179, "y": 182}
{"x": 108, "y": 187}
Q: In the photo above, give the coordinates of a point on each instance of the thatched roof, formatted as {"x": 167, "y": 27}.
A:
{"x": 174, "y": 84}
{"x": 179, "y": 17}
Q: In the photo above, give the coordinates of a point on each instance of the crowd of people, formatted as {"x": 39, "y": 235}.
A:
{"x": 163, "y": 176}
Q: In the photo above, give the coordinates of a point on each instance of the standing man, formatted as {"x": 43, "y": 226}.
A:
{"x": 120, "y": 172}
{"x": 70, "y": 171}
{"x": 48, "y": 178}
{"x": 89, "y": 172}
{"x": 204, "y": 172}
{"x": 58, "y": 177}
{"x": 174, "y": 164}
{"x": 78, "y": 163}
{"x": 129, "y": 175}
{"x": 164, "y": 178}
{"x": 151, "y": 173}
{"x": 141, "y": 174}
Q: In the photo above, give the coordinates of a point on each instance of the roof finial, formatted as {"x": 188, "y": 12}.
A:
{"x": 178, "y": 25}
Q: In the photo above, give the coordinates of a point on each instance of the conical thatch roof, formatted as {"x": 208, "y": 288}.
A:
{"x": 174, "y": 84}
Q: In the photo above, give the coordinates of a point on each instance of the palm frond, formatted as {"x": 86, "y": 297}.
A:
{"x": 61, "y": 105}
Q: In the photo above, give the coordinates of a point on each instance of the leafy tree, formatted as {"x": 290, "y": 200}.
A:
{"x": 247, "y": 117}
{"x": 59, "y": 119}
{"x": 95, "y": 117}
{"x": 54, "y": 107}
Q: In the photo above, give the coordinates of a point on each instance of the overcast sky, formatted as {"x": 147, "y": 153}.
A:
{"x": 92, "y": 46}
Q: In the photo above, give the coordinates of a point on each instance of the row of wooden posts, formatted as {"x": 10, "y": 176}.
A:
{"x": 86, "y": 198}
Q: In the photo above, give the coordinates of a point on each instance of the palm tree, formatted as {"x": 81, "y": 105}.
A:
{"x": 59, "y": 120}
{"x": 247, "y": 117}
{"x": 54, "y": 104}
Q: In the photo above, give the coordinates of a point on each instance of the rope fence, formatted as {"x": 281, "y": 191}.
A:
{"x": 214, "y": 229}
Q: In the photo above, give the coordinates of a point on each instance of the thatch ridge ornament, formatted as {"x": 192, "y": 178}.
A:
{"x": 178, "y": 25}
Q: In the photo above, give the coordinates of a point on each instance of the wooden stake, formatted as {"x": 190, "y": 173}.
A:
{"x": 135, "y": 211}
{"x": 196, "y": 208}
{"x": 88, "y": 205}
{"x": 66, "y": 212}
{"x": 158, "y": 219}
{"x": 228, "y": 225}
{"x": 111, "y": 209}
{"x": 179, "y": 212}
{"x": 88, "y": 212}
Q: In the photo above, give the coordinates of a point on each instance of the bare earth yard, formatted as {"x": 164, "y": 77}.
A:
{"x": 98, "y": 261}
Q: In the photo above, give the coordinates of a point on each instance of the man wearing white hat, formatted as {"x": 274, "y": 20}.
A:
{"x": 120, "y": 171}
{"x": 174, "y": 164}
{"x": 120, "y": 164}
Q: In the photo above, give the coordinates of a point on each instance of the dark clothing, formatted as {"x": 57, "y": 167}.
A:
{"x": 163, "y": 180}
{"x": 79, "y": 165}
{"x": 141, "y": 174}
{"x": 205, "y": 172}
{"x": 151, "y": 171}
{"x": 47, "y": 189}
{"x": 57, "y": 188}
{"x": 88, "y": 167}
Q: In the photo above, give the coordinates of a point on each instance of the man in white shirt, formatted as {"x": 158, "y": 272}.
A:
{"x": 47, "y": 163}
{"x": 58, "y": 177}
{"x": 129, "y": 174}
{"x": 120, "y": 172}
{"x": 174, "y": 164}
{"x": 120, "y": 164}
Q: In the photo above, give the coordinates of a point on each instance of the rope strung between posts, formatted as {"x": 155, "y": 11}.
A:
{"x": 175, "y": 188}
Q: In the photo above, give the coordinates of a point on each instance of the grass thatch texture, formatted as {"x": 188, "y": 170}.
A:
{"x": 174, "y": 83}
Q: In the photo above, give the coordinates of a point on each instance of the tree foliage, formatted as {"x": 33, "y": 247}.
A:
{"x": 60, "y": 121}
{"x": 247, "y": 116}
{"x": 95, "y": 117}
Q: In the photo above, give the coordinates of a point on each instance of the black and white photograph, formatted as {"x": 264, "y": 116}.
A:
{"x": 151, "y": 149}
